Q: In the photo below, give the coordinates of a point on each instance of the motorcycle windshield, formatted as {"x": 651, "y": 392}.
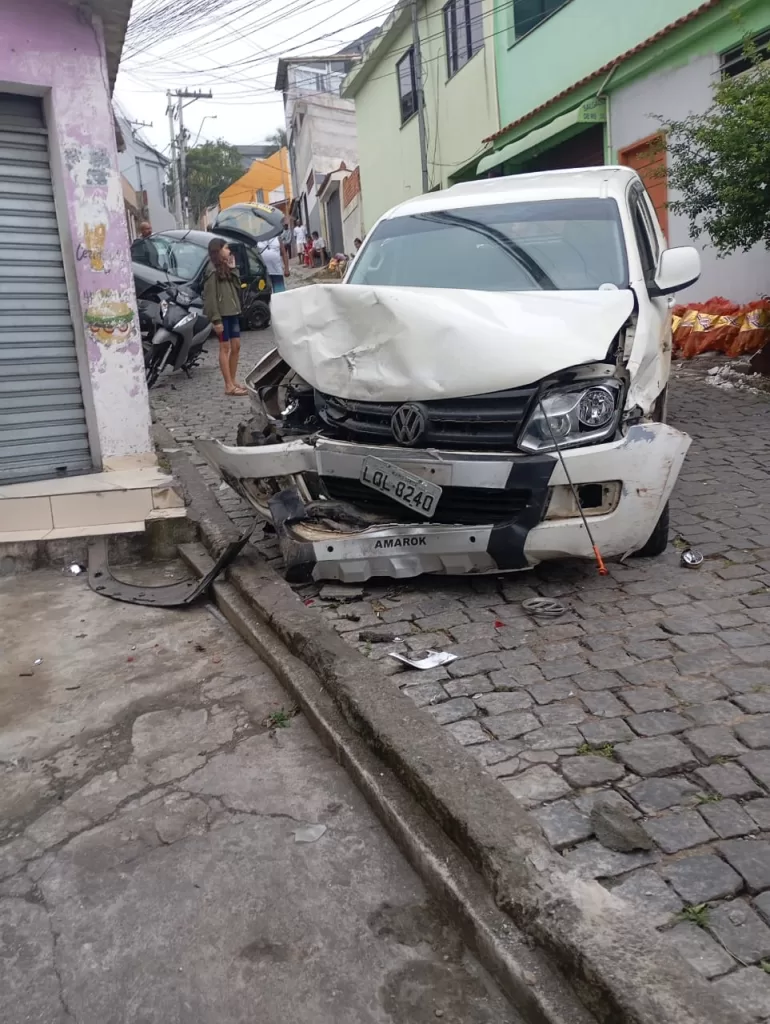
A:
{"x": 251, "y": 222}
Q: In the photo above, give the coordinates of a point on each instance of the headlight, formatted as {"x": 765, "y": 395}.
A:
{"x": 573, "y": 416}
{"x": 163, "y": 306}
{"x": 185, "y": 320}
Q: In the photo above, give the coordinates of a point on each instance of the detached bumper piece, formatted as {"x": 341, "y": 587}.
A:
{"x": 497, "y": 512}
{"x": 167, "y": 595}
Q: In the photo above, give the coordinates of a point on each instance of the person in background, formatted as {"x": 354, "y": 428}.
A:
{"x": 222, "y": 305}
{"x": 276, "y": 257}
{"x": 357, "y": 243}
{"x": 142, "y": 249}
{"x": 300, "y": 237}
{"x": 319, "y": 249}
{"x": 286, "y": 237}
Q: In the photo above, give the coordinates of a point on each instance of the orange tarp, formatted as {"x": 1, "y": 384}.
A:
{"x": 259, "y": 181}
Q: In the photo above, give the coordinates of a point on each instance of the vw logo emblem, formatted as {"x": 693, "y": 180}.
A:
{"x": 408, "y": 424}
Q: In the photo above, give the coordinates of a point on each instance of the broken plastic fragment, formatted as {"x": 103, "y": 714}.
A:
{"x": 691, "y": 558}
{"x": 544, "y": 606}
{"x": 309, "y": 834}
{"x": 38, "y": 661}
{"x": 76, "y": 568}
{"x": 425, "y": 659}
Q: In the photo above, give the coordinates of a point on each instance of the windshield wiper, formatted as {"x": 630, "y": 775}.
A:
{"x": 520, "y": 255}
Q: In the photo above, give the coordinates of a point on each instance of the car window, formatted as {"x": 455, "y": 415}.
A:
{"x": 256, "y": 268}
{"x": 571, "y": 244}
{"x": 183, "y": 258}
{"x": 645, "y": 240}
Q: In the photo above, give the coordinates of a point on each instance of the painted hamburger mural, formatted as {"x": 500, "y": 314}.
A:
{"x": 109, "y": 318}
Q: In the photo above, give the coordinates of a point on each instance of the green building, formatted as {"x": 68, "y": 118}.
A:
{"x": 578, "y": 83}
{"x": 460, "y": 89}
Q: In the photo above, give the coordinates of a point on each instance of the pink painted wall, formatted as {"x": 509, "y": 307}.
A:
{"x": 50, "y": 48}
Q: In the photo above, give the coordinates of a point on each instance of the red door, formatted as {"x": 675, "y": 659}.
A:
{"x": 648, "y": 159}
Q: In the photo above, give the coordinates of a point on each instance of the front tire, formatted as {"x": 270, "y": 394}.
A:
{"x": 257, "y": 316}
{"x": 658, "y": 541}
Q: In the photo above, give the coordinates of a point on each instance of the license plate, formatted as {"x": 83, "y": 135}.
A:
{"x": 405, "y": 488}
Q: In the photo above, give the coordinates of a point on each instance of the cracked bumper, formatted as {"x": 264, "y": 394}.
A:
{"x": 645, "y": 464}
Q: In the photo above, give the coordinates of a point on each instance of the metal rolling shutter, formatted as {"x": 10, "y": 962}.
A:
{"x": 42, "y": 419}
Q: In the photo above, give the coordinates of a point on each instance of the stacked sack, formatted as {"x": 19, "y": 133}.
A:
{"x": 720, "y": 326}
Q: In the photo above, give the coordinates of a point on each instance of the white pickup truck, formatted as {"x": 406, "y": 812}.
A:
{"x": 489, "y": 377}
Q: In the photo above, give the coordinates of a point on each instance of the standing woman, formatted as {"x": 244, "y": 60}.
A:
{"x": 276, "y": 257}
{"x": 222, "y": 305}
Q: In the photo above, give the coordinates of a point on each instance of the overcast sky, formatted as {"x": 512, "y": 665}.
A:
{"x": 231, "y": 50}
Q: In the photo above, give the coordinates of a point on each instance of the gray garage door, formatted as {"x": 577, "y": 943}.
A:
{"x": 42, "y": 420}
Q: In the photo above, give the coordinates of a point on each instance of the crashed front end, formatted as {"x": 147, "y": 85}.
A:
{"x": 373, "y": 453}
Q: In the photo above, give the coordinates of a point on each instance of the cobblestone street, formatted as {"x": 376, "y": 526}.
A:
{"x": 652, "y": 691}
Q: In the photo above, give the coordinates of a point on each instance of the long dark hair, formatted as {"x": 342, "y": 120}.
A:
{"x": 221, "y": 265}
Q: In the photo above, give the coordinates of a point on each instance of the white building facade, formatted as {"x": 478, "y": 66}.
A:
{"x": 320, "y": 125}
{"x": 145, "y": 170}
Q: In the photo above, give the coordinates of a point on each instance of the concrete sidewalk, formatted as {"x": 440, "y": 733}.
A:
{"x": 154, "y": 800}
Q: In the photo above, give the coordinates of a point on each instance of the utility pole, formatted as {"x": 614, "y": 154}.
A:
{"x": 417, "y": 57}
{"x": 183, "y": 94}
{"x": 177, "y": 194}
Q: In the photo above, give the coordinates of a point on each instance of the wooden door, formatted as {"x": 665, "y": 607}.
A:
{"x": 648, "y": 159}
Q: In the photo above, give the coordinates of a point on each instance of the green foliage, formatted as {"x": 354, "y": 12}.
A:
{"x": 698, "y": 914}
{"x": 603, "y": 750}
{"x": 720, "y": 161}
{"x": 211, "y": 168}
{"x": 278, "y": 139}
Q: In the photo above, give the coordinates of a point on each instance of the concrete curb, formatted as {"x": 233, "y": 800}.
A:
{"x": 618, "y": 965}
{"x": 537, "y": 990}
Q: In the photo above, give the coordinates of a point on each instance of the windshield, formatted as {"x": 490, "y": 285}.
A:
{"x": 562, "y": 244}
{"x": 181, "y": 258}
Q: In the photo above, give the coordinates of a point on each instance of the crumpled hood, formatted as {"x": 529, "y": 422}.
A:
{"x": 402, "y": 344}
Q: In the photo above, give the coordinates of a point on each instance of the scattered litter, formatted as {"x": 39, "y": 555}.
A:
{"x": 76, "y": 568}
{"x": 38, "y": 661}
{"x": 71, "y": 687}
{"x": 368, "y": 636}
{"x": 544, "y": 606}
{"x": 691, "y": 558}
{"x": 81, "y": 636}
{"x": 22, "y": 674}
{"x": 130, "y": 658}
{"x": 308, "y": 601}
{"x": 309, "y": 834}
{"x": 425, "y": 659}
{"x": 730, "y": 377}
{"x": 199, "y": 648}
{"x": 216, "y": 659}
{"x": 351, "y": 618}
{"x": 499, "y": 624}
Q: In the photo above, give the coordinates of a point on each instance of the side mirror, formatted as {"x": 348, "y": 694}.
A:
{"x": 678, "y": 268}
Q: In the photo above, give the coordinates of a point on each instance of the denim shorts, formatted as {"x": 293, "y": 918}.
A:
{"x": 231, "y": 328}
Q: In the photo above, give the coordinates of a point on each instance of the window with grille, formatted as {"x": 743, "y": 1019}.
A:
{"x": 739, "y": 59}
{"x": 528, "y": 14}
{"x": 463, "y": 32}
{"x": 407, "y": 85}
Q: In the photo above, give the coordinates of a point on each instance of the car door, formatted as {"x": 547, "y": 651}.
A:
{"x": 650, "y": 361}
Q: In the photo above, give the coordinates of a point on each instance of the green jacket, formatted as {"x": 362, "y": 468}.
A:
{"x": 221, "y": 296}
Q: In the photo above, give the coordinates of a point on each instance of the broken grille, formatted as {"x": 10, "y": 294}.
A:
{"x": 459, "y": 506}
{"x": 480, "y": 423}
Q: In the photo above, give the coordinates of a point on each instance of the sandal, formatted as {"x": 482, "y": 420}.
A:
{"x": 237, "y": 392}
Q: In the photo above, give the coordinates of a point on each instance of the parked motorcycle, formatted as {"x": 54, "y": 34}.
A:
{"x": 174, "y": 331}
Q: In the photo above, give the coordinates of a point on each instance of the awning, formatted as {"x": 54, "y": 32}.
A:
{"x": 591, "y": 111}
